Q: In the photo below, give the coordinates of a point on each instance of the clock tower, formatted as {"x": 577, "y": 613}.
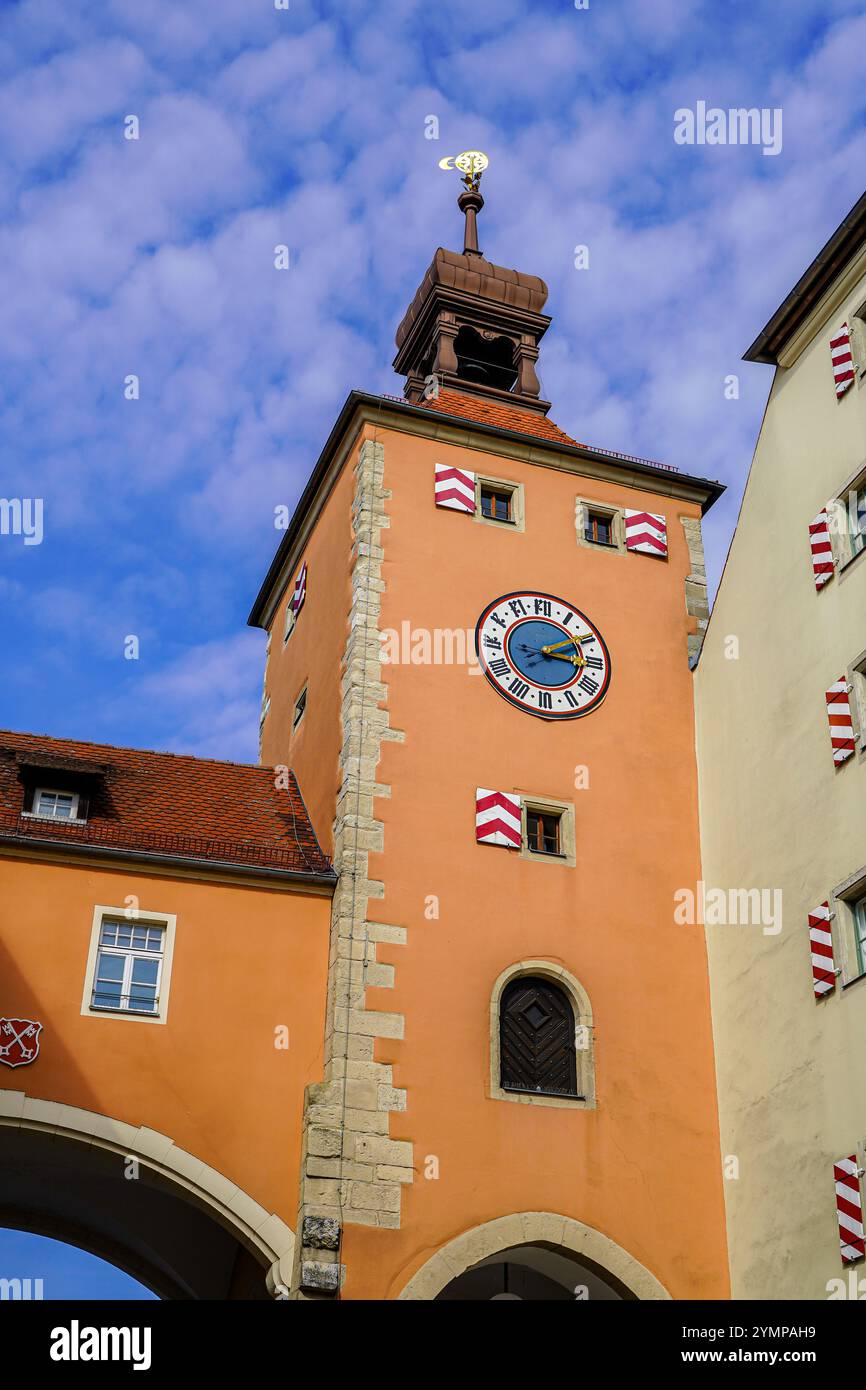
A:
{"x": 481, "y": 634}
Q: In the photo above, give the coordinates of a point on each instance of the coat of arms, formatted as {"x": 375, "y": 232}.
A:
{"x": 19, "y": 1041}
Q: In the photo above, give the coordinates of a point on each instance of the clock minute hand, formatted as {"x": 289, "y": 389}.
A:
{"x": 569, "y": 642}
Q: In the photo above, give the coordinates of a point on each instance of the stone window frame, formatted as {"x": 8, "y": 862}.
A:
{"x": 290, "y": 617}
{"x": 139, "y": 917}
{"x": 518, "y": 502}
{"x": 857, "y": 325}
{"x": 842, "y": 925}
{"x": 547, "y": 806}
{"x": 582, "y": 505}
{"x": 298, "y": 719}
{"x": 856, "y": 678}
{"x": 584, "y": 1056}
{"x": 837, "y": 518}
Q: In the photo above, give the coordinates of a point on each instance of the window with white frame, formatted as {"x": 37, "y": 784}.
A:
{"x": 55, "y": 805}
{"x": 128, "y": 973}
{"x": 128, "y": 969}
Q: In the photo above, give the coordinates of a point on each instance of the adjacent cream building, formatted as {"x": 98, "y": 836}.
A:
{"x": 783, "y": 797}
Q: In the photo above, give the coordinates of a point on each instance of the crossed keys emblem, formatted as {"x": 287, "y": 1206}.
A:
{"x": 19, "y": 1041}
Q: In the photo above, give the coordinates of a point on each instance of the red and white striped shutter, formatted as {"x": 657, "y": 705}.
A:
{"x": 300, "y": 590}
{"x": 841, "y": 725}
{"x": 822, "y": 550}
{"x": 849, "y": 1208}
{"x": 843, "y": 361}
{"x": 497, "y": 818}
{"x": 821, "y": 944}
{"x": 455, "y": 488}
{"x": 646, "y": 532}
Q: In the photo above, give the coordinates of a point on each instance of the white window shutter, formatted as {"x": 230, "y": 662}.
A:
{"x": 821, "y": 946}
{"x": 841, "y": 725}
{"x": 497, "y": 818}
{"x": 454, "y": 488}
{"x": 843, "y": 361}
{"x": 823, "y": 566}
{"x": 849, "y": 1208}
{"x": 646, "y": 533}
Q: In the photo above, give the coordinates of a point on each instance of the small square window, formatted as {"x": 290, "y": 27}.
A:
{"x": 55, "y": 805}
{"x": 499, "y": 502}
{"x": 543, "y": 832}
{"x": 496, "y": 504}
{"x": 300, "y": 706}
{"x": 599, "y": 528}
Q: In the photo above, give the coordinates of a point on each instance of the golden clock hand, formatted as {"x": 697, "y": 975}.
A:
{"x": 569, "y": 642}
{"x": 564, "y": 656}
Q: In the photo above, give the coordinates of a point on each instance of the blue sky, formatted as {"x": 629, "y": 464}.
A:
{"x": 307, "y": 127}
{"x": 65, "y": 1271}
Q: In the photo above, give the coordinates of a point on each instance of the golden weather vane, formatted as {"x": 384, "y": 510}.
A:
{"x": 471, "y": 164}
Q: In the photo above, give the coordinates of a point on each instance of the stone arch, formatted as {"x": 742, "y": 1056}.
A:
{"x": 582, "y": 1008}
{"x": 561, "y": 1233}
{"x": 171, "y": 1170}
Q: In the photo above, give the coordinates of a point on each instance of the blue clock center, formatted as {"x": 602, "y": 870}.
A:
{"x": 524, "y": 651}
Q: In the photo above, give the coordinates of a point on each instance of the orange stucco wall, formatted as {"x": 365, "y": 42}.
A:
{"x": 246, "y": 960}
{"x": 312, "y": 656}
{"x": 644, "y": 1167}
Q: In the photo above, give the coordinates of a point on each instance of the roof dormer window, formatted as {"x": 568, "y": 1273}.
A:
{"x": 55, "y": 805}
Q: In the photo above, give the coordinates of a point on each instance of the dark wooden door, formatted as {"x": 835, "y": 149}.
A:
{"x": 536, "y": 1039}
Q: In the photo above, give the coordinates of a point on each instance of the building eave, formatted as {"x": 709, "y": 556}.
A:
{"x": 809, "y": 289}
{"x": 378, "y": 409}
{"x": 54, "y": 849}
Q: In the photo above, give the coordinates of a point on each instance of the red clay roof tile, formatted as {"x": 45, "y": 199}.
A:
{"x": 500, "y": 414}
{"x": 163, "y": 803}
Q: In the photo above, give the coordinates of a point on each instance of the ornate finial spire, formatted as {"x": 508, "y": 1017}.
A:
{"x": 473, "y": 326}
{"x": 471, "y": 164}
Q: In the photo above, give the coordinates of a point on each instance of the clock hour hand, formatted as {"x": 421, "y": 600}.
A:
{"x": 565, "y": 656}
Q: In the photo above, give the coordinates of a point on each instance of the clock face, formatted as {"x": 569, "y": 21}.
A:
{"x": 543, "y": 655}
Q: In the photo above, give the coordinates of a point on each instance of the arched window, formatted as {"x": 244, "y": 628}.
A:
{"x": 485, "y": 358}
{"x": 537, "y": 1038}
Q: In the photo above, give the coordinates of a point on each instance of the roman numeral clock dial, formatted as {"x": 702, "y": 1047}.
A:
{"x": 543, "y": 655}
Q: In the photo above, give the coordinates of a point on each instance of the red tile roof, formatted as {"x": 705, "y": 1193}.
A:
{"x": 503, "y": 416}
{"x": 164, "y": 804}
{"x": 499, "y": 414}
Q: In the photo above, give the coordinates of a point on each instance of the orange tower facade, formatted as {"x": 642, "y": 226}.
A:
{"x": 480, "y": 641}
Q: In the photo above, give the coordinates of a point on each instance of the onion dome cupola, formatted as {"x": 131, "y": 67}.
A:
{"x": 473, "y": 325}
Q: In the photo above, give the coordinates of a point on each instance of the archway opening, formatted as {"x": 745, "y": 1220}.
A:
{"x": 126, "y": 1213}
{"x": 534, "y": 1273}
{"x": 35, "y": 1268}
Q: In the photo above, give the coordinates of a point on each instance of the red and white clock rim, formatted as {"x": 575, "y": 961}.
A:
{"x": 596, "y": 700}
